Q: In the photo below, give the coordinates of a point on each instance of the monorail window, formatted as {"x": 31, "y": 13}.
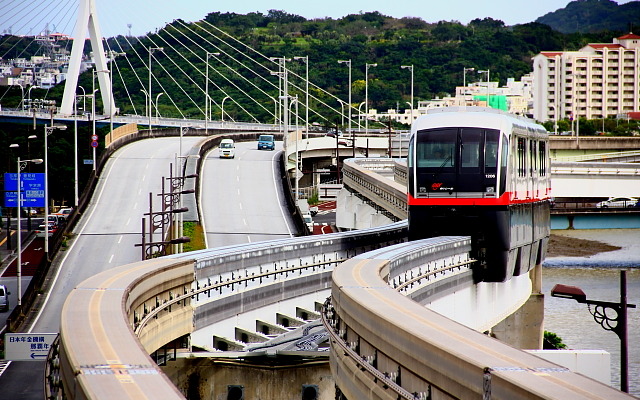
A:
{"x": 470, "y": 141}
{"x": 522, "y": 156}
{"x": 533, "y": 154}
{"x": 491, "y": 149}
{"x": 436, "y": 148}
{"x": 542, "y": 150}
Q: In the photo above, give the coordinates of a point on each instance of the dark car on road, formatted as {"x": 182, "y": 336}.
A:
{"x": 266, "y": 142}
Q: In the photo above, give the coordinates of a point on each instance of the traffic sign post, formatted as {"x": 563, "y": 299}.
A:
{"x": 28, "y": 346}
{"x": 32, "y": 188}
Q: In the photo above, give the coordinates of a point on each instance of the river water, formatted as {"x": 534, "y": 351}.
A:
{"x": 599, "y": 277}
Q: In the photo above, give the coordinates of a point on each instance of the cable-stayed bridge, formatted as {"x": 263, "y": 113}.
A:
{"x": 184, "y": 70}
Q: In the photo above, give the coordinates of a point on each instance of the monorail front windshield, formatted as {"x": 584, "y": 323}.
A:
{"x": 452, "y": 159}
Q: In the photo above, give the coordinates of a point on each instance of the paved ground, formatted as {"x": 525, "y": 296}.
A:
{"x": 324, "y": 221}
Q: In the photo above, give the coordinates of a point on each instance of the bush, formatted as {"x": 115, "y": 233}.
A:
{"x": 552, "y": 341}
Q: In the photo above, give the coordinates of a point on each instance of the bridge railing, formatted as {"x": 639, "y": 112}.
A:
{"x": 359, "y": 176}
{"x": 387, "y": 346}
{"x": 111, "y": 322}
{"x": 595, "y": 168}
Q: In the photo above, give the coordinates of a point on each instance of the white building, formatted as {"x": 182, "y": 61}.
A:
{"x": 516, "y": 93}
{"x": 600, "y": 80}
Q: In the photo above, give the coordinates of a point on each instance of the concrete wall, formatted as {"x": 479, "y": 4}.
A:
{"x": 201, "y": 378}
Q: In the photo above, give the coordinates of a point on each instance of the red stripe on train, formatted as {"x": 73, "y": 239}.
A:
{"x": 503, "y": 200}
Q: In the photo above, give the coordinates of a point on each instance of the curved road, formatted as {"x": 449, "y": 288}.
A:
{"x": 104, "y": 238}
{"x": 237, "y": 197}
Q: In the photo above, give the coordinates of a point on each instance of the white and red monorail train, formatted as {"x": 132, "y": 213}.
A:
{"x": 483, "y": 173}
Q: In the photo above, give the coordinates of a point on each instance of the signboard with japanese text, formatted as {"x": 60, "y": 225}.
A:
{"x": 27, "y": 346}
{"x": 32, "y": 186}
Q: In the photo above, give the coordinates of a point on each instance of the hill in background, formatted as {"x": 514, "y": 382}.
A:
{"x": 594, "y": 16}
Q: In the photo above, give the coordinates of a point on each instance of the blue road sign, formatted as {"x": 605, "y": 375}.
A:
{"x": 31, "y": 186}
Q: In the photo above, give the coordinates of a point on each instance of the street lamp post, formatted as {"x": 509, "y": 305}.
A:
{"x": 75, "y": 150}
{"x": 353, "y": 136}
{"x": 294, "y": 100}
{"x": 360, "y": 116}
{"x": 366, "y": 96}
{"x": 29, "y": 138}
{"x": 48, "y": 130}
{"x": 486, "y": 72}
{"x": 151, "y": 50}
{"x": 84, "y": 102}
{"x": 306, "y": 101}
{"x": 617, "y": 324}
{"x": 93, "y": 117}
{"x": 158, "y": 98}
{"x": 410, "y": 68}
{"x": 29, "y": 94}
{"x": 464, "y": 83}
{"x": 222, "y": 108}
{"x": 206, "y": 94}
{"x": 112, "y": 58}
{"x": 21, "y": 164}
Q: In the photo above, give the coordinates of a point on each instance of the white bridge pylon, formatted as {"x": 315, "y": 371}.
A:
{"x": 87, "y": 19}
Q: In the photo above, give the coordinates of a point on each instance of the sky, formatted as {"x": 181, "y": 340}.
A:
{"x": 144, "y": 16}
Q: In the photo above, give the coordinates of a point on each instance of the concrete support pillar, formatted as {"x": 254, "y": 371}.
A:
{"x": 524, "y": 329}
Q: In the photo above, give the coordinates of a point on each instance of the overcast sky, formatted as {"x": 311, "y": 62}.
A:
{"x": 148, "y": 15}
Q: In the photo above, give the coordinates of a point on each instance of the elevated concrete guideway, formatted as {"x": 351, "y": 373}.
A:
{"x": 167, "y": 299}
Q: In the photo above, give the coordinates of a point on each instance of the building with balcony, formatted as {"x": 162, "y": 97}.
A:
{"x": 601, "y": 80}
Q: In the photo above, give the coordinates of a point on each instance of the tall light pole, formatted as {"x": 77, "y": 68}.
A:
{"x": 29, "y": 139}
{"x": 282, "y": 74}
{"x": 222, "y": 108}
{"x": 21, "y": 164}
{"x": 353, "y": 137}
{"x": 112, "y": 58}
{"x": 295, "y": 172}
{"x": 464, "y": 83}
{"x": 158, "y": 98}
{"x": 360, "y": 116}
{"x": 48, "y": 130}
{"x": 151, "y": 50}
{"x": 410, "y": 68}
{"x": 93, "y": 110}
{"x": 93, "y": 117}
{"x": 366, "y": 97}
{"x": 486, "y": 72}
{"x": 306, "y": 101}
{"x": 206, "y": 94}
{"x": 75, "y": 150}
{"x": 29, "y": 94}
{"x": 84, "y": 101}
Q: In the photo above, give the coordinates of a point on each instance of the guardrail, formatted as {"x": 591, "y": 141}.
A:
{"x": 387, "y": 346}
{"x": 617, "y": 156}
{"x": 359, "y": 176}
{"x": 591, "y": 168}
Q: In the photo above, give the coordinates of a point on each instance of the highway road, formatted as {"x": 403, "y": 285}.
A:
{"x": 104, "y": 238}
{"x": 237, "y": 197}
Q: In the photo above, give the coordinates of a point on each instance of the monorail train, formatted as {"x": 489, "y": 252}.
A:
{"x": 480, "y": 172}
